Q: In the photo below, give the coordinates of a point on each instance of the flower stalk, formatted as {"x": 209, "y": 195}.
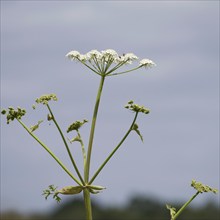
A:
{"x": 66, "y": 145}
{"x": 92, "y": 131}
{"x": 104, "y": 63}
{"x": 115, "y": 149}
{"x": 50, "y": 152}
{"x": 200, "y": 188}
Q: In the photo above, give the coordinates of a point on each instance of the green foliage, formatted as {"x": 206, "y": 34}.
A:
{"x": 137, "y": 208}
{"x": 51, "y": 191}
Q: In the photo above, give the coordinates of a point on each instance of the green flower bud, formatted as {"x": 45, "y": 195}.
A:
{"x": 11, "y": 114}
{"x": 3, "y": 112}
{"x": 136, "y": 108}
{"x": 76, "y": 125}
{"x": 44, "y": 99}
{"x": 49, "y": 117}
{"x": 202, "y": 188}
{"x": 130, "y": 102}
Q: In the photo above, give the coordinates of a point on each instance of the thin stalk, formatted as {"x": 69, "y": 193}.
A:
{"x": 87, "y": 201}
{"x": 83, "y": 148}
{"x": 113, "y": 152}
{"x": 92, "y": 131}
{"x": 51, "y": 153}
{"x": 185, "y": 205}
{"x": 66, "y": 145}
{"x": 114, "y": 74}
{"x": 89, "y": 67}
{"x": 116, "y": 67}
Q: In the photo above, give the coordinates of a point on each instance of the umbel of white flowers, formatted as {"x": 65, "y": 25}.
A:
{"x": 100, "y": 62}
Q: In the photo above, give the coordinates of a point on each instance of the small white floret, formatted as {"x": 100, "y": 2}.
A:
{"x": 147, "y": 63}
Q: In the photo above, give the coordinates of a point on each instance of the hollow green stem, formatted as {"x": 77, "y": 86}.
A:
{"x": 92, "y": 131}
{"x": 66, "y": 145}
{"x": 87, "y": 202}
{"x": 185, "y": 205}
{"x": 113, "y": 152}
{"x": 51, "y": 153}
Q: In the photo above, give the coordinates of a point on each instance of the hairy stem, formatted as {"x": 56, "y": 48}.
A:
{"x": 51, "y": 153}
{"x": 113, "y": 152}
{"x": 66, "y": 145}
{"x": 92, "y": 131}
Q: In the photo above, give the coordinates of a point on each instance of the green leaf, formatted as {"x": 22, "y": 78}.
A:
{"x": 95, "y": 189}
{"x": 172, "y": 211}
{"x": 135, "y": 128}
{"x": 70, "y": 190}
{"x": 77, "y": 138}
{"x": 35, "y": 127}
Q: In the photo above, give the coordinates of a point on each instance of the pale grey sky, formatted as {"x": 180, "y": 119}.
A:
{"x": 181, "y": 134}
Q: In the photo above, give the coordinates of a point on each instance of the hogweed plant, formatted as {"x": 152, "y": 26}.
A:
{"x": 105, "y": 64}
{"x": 200, "y": 188}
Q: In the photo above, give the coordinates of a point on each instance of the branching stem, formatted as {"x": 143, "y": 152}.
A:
{"x": 66, "y": 145}
{"x": 50, "y": 152}
{"x": 115, "y": 149}
{"x": 185, "y": 205}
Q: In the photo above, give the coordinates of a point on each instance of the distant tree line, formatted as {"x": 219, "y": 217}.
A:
{"x": 137, "y": 208}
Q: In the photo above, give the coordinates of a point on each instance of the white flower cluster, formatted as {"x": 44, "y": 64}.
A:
{"x": 147, "y": 63}
{"x": 107, "y": 61}
{"x": 108, "y": 55}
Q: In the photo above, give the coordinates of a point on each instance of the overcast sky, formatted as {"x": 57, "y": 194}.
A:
{"x": 181, "y": 134}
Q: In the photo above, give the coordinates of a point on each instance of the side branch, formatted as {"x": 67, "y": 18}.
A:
{"x": 66, "y": 145}
{"x": 115, "y": 149}
{"x": 51, "y": 153}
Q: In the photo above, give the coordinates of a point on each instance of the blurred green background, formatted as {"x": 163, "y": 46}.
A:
{"x": 137, "y": 208}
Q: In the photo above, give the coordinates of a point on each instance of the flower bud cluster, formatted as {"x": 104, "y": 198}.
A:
{"x": 44, "y": 99}
{"x": 136, "y": 108}
{"x": 11, "y": 113}
{"x": 76, "y": 125}
{"x": 202, "y": 188}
